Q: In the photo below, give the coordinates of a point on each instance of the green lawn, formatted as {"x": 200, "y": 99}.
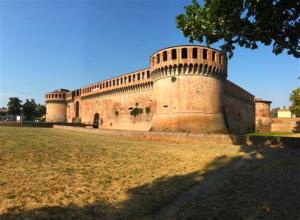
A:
{"x": 57, "y": 174}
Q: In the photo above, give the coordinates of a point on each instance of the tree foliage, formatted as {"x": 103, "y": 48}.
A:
{"x": 136, "y": 111}
{"x": 295, "y": 102}
{"x": 40, "y": 110}
{"x": 14, "y": 106}
{"x": 244, "y": 23}
{"x": 29, "y": 109}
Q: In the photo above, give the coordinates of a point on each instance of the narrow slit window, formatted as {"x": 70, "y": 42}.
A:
{"x": 204, "y": 54}
{"x": 184, "y": 53}
{"x": 165, "y": 56}
{"x": 195, "y": 53}
{"x": 174, "y": 54}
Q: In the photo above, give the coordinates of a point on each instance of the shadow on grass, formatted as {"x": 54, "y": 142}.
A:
{"x": 267, "y": 186}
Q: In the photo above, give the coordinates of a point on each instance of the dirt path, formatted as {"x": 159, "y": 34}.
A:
{"x": 208, "y": 183}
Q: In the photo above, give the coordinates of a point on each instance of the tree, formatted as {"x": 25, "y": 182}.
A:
{"x": 14, "y": 106}
{"x": 244, "y": 23}
{"x": 274, "y": 113}
{"x": 40, "y": 110}
{"x": 29, "y": 109}
{"x": 295, "y": 102}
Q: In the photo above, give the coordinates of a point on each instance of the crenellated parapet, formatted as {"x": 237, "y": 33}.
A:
{"x": 56, "y": 105}
{"x": 189, "y": 59}
{"x": 183, "y": 90}
{"x": 127, "y": 82}
{"x": 57, "y": 96}
{"x": 188, "y": 85}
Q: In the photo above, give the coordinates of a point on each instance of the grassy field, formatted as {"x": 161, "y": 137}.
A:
{"x": 277, "y": 134}
{"x": 48, "y": 172}
{"x": 56, "y": 174}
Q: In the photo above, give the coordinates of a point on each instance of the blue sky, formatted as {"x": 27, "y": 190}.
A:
{"x": 50, "y": 44}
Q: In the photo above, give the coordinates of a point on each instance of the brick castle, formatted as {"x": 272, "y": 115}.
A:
{"x": 185, "y": 89}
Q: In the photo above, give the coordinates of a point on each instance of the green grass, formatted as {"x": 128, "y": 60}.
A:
{"x": 55, "y": 173}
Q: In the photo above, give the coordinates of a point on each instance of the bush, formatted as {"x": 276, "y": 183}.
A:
{"x": 136, "y": 111}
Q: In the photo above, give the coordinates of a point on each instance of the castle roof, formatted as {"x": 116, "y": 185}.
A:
{"x": 60, "y": 90}
{"x": 261, "y": 100}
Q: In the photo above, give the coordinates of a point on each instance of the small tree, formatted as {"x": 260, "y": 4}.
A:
{"x": 295, "y": 102}
{"x": 14, "y": 106}
{"x": 40, "y": 110}
{"x": 29, "y": 109}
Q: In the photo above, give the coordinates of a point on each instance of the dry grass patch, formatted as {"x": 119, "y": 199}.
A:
{"x": 48, "y": 173}
{"x": 266, "y": 187}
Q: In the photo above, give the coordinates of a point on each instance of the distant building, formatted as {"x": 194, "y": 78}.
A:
{"x": 4, "y": 116}
{"x": 284, "y": 113}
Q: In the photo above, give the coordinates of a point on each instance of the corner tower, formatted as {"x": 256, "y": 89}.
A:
{"x": 262, "y": 115}
{"x": 189, "y": 89}
{"x": 56, "y": 106}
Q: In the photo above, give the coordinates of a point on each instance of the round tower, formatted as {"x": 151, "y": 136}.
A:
{"x": 262, "y": 115}
{"x": 56, "y": 106}
{"x": 188, "y": 87}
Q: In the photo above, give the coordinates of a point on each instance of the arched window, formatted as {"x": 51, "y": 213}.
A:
{"x": 114, "y": 82}
{"x": 117, "y": 81}
{"x": 195, "y": 53}
{"x": 174, "y": 54}
{"x": 109, "y": 83}
{"x": 165, "y": 56}
{"x": 77, "y": 109}
{"x": 213, "y": 57}
{"x": 148, "y": 74}
{"x": 121, "y": 81}
{"x": 184, "y": 53}
{"x": 143, "y": 75}
{"x": 204, "y": 54}
{"x": 138, "y": 76}
{"x": 133, "y": 77}
{"x": 129, "y": 78}
{"x": 106, "y": 84}
{"x": 158, "y": 58}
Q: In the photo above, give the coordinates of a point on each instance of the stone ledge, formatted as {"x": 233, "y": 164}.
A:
{"x": 273, "y": 141}
{"x": 207, "y": 139}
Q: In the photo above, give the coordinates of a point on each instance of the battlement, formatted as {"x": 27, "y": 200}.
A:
{"x": 56, "y": 96}
{"x": 183, "y": 89}
{"x": 188, "y": 59}
{"x": 130, "y": 81}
